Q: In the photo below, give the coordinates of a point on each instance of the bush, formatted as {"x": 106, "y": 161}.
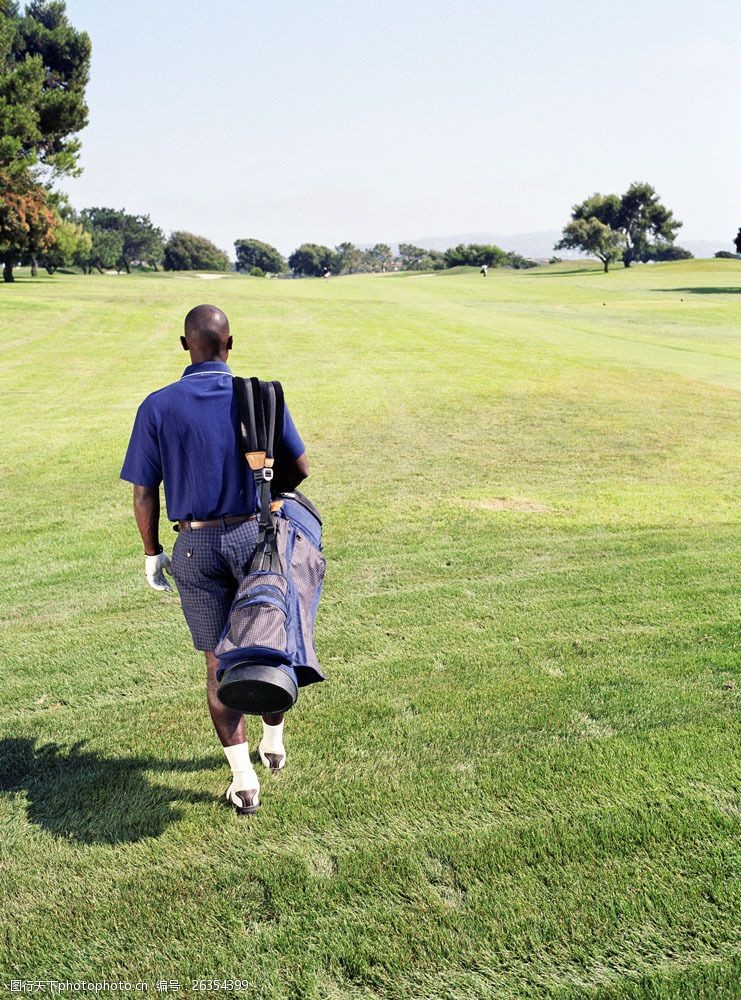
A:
{"x": 727, "y": 255}
{"x": 188, "y": 252}
{"x": 312, "y": 259}
{"x": 519, "y": 263}
{"x": 666, "y": 252}
{"x": 257, "y": 272}
{"x": 475, "y": 254}
{"x": 254, "y": 253}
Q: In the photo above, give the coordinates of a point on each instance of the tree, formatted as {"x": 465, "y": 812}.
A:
{"x": 143, "y": 242}
{"x": 633, "y": 225}
{"x": 605, "y": 207}
{"x": 475, "y": 254}
{"x": 641, "y": 217}
{"x": 21, "y": 82}
{"x": 349, "y": 259}
{"x": 69, "y": 237}
{"x": 44, "y": 68}
{"x": 105, "y": 226}
{"x": 120, "y": 239}
{"x": 737, "y": 242}
{"x": 27, "y": 221}
{"x": 71, "y": 241}
{"x": 379, "y": 257}
{"x": 411, "y": 256}
{"x": 593, "y": 237}
{"x": 188, "y": 252}
{"x": 105, "y": 250}
{"x": 418, "y": 259}
{"x": 312, "y": 259}
{"x": 254, "y": 253}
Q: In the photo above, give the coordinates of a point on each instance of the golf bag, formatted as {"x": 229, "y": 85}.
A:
{"x": 266, "y": 651}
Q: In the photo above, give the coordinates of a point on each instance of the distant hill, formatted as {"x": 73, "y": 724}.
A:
{"x": 541, "y": 244}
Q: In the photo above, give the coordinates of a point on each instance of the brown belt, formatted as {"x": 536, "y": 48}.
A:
{"x": 217, "y": 522}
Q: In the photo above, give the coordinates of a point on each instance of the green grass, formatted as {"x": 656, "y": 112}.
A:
{"x": 521, "y": 777}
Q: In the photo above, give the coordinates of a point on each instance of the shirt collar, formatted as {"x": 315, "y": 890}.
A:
{"x": 207, "y": 366}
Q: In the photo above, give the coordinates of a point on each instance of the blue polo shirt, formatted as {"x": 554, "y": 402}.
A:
{"x": 185, "y": 435}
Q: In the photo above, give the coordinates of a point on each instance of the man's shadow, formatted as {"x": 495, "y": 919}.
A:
{"x": 80, "y": 795}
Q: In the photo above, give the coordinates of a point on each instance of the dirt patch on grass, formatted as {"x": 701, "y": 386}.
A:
{"x": 324, "y": 865}
{"x": 508, "y": 503}
{"x": 588, "y": 726}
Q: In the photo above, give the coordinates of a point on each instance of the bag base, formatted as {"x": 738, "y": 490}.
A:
{"x": 256, "y": 689}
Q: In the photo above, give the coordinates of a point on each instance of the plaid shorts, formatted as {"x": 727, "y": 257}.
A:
{"x": 208, "y": 566}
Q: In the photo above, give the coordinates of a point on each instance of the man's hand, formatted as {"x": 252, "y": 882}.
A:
{"x": 147, "y": 514}
{"x": 155, "y": 568}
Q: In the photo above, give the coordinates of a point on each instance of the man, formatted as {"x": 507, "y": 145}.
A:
{"x": 186, "y": 437}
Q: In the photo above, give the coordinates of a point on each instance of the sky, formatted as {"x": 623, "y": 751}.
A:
{"x": 398, "y": 119}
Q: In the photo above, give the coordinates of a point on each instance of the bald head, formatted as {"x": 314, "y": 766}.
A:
{"x": 207, "y": 334}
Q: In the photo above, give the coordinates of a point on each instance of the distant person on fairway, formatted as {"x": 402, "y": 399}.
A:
{"x": 484, "y": 269}
{"x": 186, "y": 437}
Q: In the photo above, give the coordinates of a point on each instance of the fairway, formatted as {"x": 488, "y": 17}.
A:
{"x": 521, "y": 777}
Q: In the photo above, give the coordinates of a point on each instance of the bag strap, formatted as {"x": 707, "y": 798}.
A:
{"x": 276, "y": 434}
{"x": 260, "y": 406}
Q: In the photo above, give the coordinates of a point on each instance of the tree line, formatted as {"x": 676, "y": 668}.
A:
{"x": 104, "y": 239}
{"x": 315, "y": 260}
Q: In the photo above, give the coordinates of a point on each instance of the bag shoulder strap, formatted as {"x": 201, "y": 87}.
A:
{"x": 261, "y": 406}
{"x": 251, "y": 420}
{"x": 280, "y": 407}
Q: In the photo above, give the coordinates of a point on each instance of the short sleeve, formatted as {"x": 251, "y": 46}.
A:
{"x": 291, "y": 445}
{"x": 142, "y": 465}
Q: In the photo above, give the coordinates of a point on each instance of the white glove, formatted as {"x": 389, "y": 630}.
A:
{"x": 154, "y": 569}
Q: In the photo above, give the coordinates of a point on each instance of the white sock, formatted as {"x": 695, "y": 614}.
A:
{"x": 272, "y": 738}
{"x": 242, "y": 770}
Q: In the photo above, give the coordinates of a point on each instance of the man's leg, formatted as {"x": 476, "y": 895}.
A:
{"x": 229, "y": 725}
{"x": 244, "y": 791}
{"x": 271, "y": 749}
{"x": 238, "y": 546}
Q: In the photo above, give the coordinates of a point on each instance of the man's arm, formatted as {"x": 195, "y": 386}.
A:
{"x": 288, "y": 474}
{"x": 147, "y": 514}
